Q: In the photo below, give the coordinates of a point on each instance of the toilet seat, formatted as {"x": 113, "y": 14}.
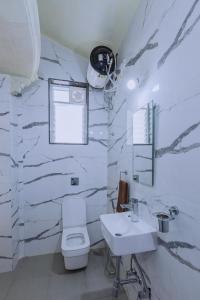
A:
{"x": 75, "y": 241}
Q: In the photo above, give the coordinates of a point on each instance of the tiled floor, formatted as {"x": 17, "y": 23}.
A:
{"x": 44, "y": 278}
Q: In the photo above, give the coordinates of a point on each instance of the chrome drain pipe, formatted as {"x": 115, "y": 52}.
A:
{"x": 145, "y": 293}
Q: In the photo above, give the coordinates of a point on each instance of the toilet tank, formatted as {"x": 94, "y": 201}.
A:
{"x": 74, "y": 212}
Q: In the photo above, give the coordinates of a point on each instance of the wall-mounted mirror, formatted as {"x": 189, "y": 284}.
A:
{"x": 143, "y": 145}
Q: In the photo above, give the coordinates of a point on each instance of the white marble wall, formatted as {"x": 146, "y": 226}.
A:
{"x": 162, "y": 50}
{"x": 9, "y": 183}
{"x": 39, "y": 173}
{"x": 47, "y": 169}
{"x": 6, "y": 164}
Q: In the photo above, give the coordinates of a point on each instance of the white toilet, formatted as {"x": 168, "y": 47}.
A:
{"x": 75, "y": 240}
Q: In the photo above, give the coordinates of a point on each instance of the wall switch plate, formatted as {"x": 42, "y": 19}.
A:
{"x": 74, "y": 181}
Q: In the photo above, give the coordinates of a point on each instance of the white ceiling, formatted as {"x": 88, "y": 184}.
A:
{"x": 83, "y": 24}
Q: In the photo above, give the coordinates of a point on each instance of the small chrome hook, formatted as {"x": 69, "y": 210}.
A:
{"x": 174, "y": 211}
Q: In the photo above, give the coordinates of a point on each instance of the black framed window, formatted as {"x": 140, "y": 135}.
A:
{"x": 68, "y": 112}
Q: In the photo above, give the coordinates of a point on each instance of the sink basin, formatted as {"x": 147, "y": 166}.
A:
{"x": 126, "y": 237}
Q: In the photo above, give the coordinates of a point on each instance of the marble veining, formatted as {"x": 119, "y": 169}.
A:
{"x": 34, "y": 124}
{"x": 117, "y": 111}
{"x": 102, "y": 141}
{"x": 2, "y": 82}
{"x": 55, "y": 61}
{"x": 162, "y": 50}
{"x": 47, "y": 175}
{"x": 172, "y": 148}
{"x": 170, "y": 246}
{"x": 148, "y": 46}
{"x": 182, "y": 33}
{"x": 50, "y": 160}
{"x": 87, "y": 194}
{"x": 4, "y": 113}
{"x": 35, "y": 175}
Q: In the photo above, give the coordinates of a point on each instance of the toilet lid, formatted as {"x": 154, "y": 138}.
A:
{"x": 75, "y": 239}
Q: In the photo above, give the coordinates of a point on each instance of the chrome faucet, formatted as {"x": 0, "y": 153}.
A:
{"x": 133, "y": 207}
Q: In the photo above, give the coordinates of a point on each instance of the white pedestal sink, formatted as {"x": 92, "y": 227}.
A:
{"x": 125, "y": 237}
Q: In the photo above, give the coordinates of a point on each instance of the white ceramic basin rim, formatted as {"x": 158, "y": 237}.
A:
{"x": 124, "y": 236}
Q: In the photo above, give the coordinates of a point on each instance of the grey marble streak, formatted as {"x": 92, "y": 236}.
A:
{"x": 96, "y": 243}
{"x": 5, "y": 202}
{"x": 41, "y": 78}
{"x": 102, "y": 142}
{"x": 180, "y": 244}
{"x": 15, "y": 222}
{"x": 146, "y": 12}
{"x": 149, "y": 46}
{"x": 117, "y": 140}
{"x": 15, "y": 164}
{"x": 54, "y": 61}
{"x": 10, "y": 157}
{"x": 33, "y": 92}
{"x": 92, "y": 222}
{"x": 2, "y": 82}
{"x": 46, "y": 176}
{"x": 143, "y": 202}
{"x": 144, "y": 171}
{"x": 35, "y": 124}
{"x": 123, "y": 144}
{"x": 52, "y": 160}
{"x": 91, "y": 192}
{"x": 143, "y": 157}
{"x": 5, "y": 257}
{"x": 58, "y": 58}
{"x": 42, "y": 235}
{"x": 5, "y": 236}
{"x": 114, "y": 190}
{"x": 81, "y": 165}
{"x": 117, "y": 112}
{"x": 194, "y": 96}
{"x": 21, "y": 224}
{"x": 49, "y": 161}
{"x": 4, "y": 129}
{"x": 4, "y": 154}
{"x": 15, "y": 212}
{"x": 15, "y": 252}
{"x": 169, "y": 246}
{"x": 98, "y": 125}
{"x": 111, "y": 193}
{"x": 96, "y": 190}
{"x": 4, "y": 114}
{"x": 172, "y": 148}
{"x": 33, "y": 146}
{"x": 97, "y": 109}
{"x": 112, "y": 164}
{"x": 113, "y": 199}
{"x": 6, "y": 193}
{"x": 19, "y": 143}
{"x": 166, "y": 12}
{"x": 13, "y": 124}
{"x": 182, "y": 33}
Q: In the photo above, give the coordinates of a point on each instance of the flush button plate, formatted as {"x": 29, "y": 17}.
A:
{"x": 74, "y": 181}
